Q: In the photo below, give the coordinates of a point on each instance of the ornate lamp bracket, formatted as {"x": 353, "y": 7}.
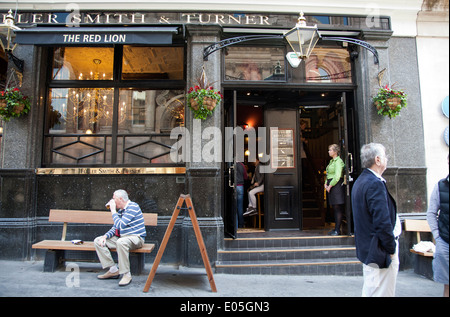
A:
{"x": 239, "y": 39}
{"x": 18, "y": 63}
{"x": 7, "y": 28}
{"x": 234, "y": 40}
{"x": 361, "y": 43}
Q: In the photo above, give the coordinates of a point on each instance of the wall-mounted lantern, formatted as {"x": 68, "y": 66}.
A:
{"x": 7, "y": 29}
{"x": 302, "y": 39}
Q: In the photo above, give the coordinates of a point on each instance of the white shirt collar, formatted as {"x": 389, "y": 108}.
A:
{"x": 377, "y": 175}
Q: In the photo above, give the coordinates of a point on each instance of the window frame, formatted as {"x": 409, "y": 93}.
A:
{"x": 242, "y": 81}
{"x": 289, "y": 78}
{"x": 116, "y": 84}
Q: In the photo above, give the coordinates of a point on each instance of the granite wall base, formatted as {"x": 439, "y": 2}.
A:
{"x": 26, "y": 199}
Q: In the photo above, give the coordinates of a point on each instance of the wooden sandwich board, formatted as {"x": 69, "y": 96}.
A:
{"x": 190, "y": 207}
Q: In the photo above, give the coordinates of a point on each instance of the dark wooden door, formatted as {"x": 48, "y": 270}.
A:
{"x": 282, "y": 190}
{"x": 347, "y": 143}
{"x": 230, "y": 201}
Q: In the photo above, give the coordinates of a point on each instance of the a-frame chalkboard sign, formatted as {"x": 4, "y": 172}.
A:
{"x": 190, "y": 207}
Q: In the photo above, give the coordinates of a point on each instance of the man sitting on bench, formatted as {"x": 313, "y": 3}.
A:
{"x": 127, "y": 233}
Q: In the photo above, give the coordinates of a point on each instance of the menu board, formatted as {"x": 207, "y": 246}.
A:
{"x": 282, "y": 148}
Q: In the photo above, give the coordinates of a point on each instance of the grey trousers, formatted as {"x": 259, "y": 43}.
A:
{"x": 123, "y": 245}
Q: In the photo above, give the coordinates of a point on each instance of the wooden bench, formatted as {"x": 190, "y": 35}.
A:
{"x": 422, "y": 260}
{"x": 418, "y": 226}
{"x": 55, "y": 248}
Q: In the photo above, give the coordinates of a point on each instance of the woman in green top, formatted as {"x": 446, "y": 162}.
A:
{"x": 334, "y": 187}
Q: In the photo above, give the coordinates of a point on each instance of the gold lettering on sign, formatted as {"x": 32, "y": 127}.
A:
{"x": 136, "y": 16}
{"x": 110, "y": 171}
{"x": 90, "y": 19}
{"x": 99, "y": 18}
{"x": 37, "y": 18}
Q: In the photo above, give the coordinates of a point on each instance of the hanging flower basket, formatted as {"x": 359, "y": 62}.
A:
{"x": 203, "y": 101}
{"x": 203, "y": 98}
{"x": 389, "y": 102}
{"x": 13, "y": 104}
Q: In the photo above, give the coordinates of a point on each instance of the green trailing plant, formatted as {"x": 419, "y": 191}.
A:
{"x": 13, "y": 104}
{"x": 389, "y": 102}
{"x": 203, "y": 98}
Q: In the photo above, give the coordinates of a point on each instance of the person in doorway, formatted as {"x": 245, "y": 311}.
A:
{"x": 303, "y": 126}
{"x": 377, "y": 226}
{"x": 127, "y": 233}
{"x": 241, "y": 177}
{"x": 256, "y": 187}
{"x": 437, "y": 216}
{"x": 334, "y": 187}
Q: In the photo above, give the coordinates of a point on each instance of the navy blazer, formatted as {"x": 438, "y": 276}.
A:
{"x": 374, "y": 215}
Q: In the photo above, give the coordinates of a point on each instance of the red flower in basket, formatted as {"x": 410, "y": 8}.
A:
{"x": 13, "y": 103}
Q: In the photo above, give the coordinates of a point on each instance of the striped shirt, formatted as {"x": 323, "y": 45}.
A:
{"x": 128, "y": 221}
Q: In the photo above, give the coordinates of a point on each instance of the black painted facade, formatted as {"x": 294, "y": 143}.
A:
{"x": 26, "y": 195}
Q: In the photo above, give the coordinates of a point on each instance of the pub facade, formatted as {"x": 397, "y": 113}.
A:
{"x": 108, "y": 104}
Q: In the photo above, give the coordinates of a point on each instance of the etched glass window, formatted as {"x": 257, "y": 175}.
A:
{"x": 96, "y": 123}
{"x": 255, "y": 63}
{"x": 81, "y": 110}
{"x": 83, "y": 63}
{"x": 331, "y": 65}
{"x": 143, "y": 111}
{"x": 140, "y": 62}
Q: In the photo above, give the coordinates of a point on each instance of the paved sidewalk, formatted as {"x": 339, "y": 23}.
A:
{"x": 27, "y": 279}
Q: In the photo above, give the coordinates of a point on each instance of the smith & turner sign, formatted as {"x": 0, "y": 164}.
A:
{"x": 76, "y": 18}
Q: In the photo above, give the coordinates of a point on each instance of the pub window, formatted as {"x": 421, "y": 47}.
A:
{"x": 320, "y": 19}
{"x": 155, "y": 111}
{"x": 325, "y": 65}
{"x": 140, "y": 62}
{"x": 94, "y": 120}
{"x": 329, "y": 65}
{"x": 83, "y": 63}
{"x": 144, "y": 129}
{"x": 255, "y": 63}
{"x": 80, "y": 110}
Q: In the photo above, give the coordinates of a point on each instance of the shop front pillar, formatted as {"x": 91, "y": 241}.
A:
{"x": 204, "y": 167}
{"x": 21, "y": 137}
{"x": 367, "y": 80}
{"x": 403, "y": 135}
{"x": 20, "y": 152}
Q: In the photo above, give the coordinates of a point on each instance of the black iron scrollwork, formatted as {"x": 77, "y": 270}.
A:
{"x": 356, "y": 42}
{"x": 239, "y": 39}
{"x": 18, "y": 63}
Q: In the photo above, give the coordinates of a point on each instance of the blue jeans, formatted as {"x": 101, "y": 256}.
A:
{"x": 240, "y": 206}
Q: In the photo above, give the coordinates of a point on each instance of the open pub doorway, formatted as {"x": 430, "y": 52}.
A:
{"x": 294, "y": 197}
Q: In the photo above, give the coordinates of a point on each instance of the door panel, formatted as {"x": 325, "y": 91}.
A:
{"x": 284, "y": 202}
{"x": 230, "y": 204}
{"x": 347, "y": 156}
{"x": 282, "y": 187}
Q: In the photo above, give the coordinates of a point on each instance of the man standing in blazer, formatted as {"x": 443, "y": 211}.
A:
{"x": 377, "y": 227}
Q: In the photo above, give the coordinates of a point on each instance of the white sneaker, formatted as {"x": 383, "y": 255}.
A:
{"x": 250, "y": 211}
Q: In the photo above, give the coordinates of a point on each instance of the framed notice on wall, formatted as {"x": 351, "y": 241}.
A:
{"x": 282, "y": 148}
